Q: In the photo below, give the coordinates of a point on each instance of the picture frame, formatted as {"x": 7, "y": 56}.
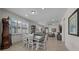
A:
{"x": 53, "y": 29}
{"x": 73, "y": 23}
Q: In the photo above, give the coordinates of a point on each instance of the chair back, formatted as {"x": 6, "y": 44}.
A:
{"x": 25, "y": 36}
{"x": 30, "y": 38}
{"x": 46, "y": 37}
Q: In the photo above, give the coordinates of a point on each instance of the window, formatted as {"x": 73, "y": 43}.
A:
{"x": 13, "y": 25}
{"x": 25, "y": 27}
{"x": 18, "y": 26}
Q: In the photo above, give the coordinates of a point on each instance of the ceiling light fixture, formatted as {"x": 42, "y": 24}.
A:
{"x": 33, "y": 12}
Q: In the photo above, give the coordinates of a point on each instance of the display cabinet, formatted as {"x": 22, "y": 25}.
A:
{"x": 6, "y": 36}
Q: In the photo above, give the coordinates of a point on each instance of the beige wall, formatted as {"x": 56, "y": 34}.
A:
{"x": 54, "y": 26}
{"x": 71, "y": 42}
{"x": 0, "y": 32}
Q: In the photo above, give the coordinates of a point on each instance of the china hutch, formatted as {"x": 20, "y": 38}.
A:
{"x": 5, "y": 34}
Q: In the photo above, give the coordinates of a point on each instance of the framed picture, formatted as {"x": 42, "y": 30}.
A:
{"x": 73, "y": 23}
{"x": 53, "y": 29}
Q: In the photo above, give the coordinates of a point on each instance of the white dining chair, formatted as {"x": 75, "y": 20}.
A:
{"x": 37, "y": 38}
{"x": 45, "y": 41}
{"x": 42, "y": 43}
{"x": 30, "y": 40}
{"x": 25, "y": 40}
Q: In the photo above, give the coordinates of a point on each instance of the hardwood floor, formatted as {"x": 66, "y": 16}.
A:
{"x": 52, "y": 45}
{"x": 55, "y": 45}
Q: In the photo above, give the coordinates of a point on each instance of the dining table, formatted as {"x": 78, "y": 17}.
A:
{"x": 37, "y": 39}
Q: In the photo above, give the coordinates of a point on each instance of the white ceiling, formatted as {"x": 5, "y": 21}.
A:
{"x": 48, "y": 15}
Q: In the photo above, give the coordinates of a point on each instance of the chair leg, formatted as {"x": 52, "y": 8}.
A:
{"x": 28, "y": 45}
{"x": 32, "y": 46}
{"x": 45, "y": 46}
{"x": 37, "y": 46}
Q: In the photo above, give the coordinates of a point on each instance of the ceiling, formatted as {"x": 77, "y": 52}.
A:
{"x": 40, "y": 15}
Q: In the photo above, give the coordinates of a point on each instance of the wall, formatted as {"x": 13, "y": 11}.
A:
{"x": 0, "y": 32}
{"x": 17, "y": 37}
{"x": 54, "y": 26}
{"x": 62, "y": 23}
{"x": 71, "y": 42}
{"x": 0, "y": 27}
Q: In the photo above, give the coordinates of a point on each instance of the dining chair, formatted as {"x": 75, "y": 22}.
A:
{"x": 25, "y": 40}
{"x": 45, "y": 41}
{"x": 30, "y": 40}
{"x": 42, "y": 42}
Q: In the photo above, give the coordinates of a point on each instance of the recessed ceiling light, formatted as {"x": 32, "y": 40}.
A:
{"x": 33, "y": 12}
